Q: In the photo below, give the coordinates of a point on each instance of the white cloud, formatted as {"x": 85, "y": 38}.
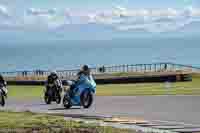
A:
{"x": 157, "y": 27}
{"x": 123, "y": 12}
{"x": 43, "y": 22}
{"x": 43, "y": 19}
{"x": 151, "y": 20}
{"x": 132, "y": 27}
{"x": 169, "y": 12}
{"x": 40, "y": 12}
{"x": 68, "y": 16}
{"x": 145, "y": 20}
{"x": 103, "y": 18}
{"x": 7, "y": 20}
{"x": 4, "y": 11}
{"x": 191, "y": 12}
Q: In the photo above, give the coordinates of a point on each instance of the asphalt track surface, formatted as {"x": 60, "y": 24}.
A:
{"x": 183, "y": 109}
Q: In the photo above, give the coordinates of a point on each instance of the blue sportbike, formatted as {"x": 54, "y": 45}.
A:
{"x": 81, "y": 92}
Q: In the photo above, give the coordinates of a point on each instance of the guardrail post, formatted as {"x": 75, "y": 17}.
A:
{"x": 141, "y": 68}
{"x": 166, "y": 67}
{"x": 136, "y": 69}
{"x": 150, "y": 67}
{"x": 160, "y": 65}
{"x": 174, "y": 69}
{"x": 132, "y": 68}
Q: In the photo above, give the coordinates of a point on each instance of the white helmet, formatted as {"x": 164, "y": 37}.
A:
{"x": 53, "y": 72}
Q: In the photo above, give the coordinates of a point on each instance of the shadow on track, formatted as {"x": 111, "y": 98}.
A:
{"x": 35, "y": 104}
{"x": 64, "y": 109}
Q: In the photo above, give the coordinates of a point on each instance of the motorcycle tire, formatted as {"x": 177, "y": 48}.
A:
{"x": 67, "y": 102}
{"x": 58, "y": 99}
{"x": 2, "y": 100}
{"x": 87, "y": 98}
{"x": 48, "y": 97}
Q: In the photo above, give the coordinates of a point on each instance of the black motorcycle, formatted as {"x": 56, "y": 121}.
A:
{"x": 3, "y": 94}
{"x": 52, "y": 94}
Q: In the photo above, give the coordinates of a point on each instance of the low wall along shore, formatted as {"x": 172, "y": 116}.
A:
{"x": 175, "y": 77}
{"x": 116, "y": 74}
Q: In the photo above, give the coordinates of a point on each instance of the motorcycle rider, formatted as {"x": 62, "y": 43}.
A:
{"x": 53, "y": 79}
{"x": 83, "y": 77}
{"x": 3, "y": 85}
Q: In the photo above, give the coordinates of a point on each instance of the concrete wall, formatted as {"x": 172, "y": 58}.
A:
{"x": 121, "y": 80}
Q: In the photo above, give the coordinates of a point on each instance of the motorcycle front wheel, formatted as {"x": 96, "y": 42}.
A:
{"x": 2, "y": 100}
{"x": 48, "y": 97}
{"x": 67, "y": 102}
{"x": 87, "y": 98}
{"x": 58, "y": 98}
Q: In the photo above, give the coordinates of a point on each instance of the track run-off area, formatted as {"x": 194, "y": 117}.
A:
{"x": 170, "y": 110}
{"x": 174, "y": 106}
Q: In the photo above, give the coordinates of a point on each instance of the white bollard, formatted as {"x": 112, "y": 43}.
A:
{"x": 168, "y": 86}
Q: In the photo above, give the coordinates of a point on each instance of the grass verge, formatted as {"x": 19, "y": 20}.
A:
{"x": 27, "y": 122}
{"x": 179, "y": 88}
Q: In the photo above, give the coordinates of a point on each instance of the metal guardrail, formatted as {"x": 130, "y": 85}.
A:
{"x": 138, "y": 68}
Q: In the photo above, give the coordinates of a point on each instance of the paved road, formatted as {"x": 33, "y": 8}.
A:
{"x": 184, "y": 109}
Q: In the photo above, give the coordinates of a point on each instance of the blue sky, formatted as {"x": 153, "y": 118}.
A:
{"x": 64, "y": 19}
{"x": 100, "y": 3}
{"x": 92, "y": 4}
